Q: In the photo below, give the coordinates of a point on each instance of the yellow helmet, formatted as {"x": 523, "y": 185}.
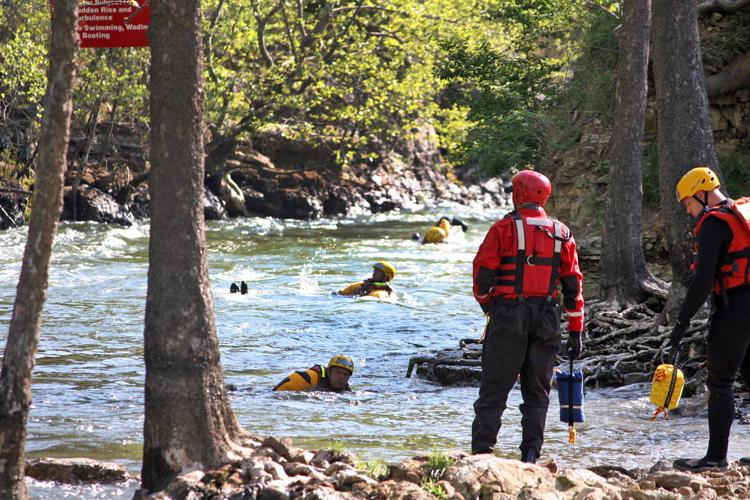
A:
{"x": 697, "y": 179}
{"x": 342, "y": 361}
{"x": 388, "y": 269}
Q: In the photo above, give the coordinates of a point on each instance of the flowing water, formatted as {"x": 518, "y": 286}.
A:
{"x": 88, "y": 395}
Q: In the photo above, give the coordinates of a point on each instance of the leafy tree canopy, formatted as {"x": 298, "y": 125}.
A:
{"x": 360, "y": 76}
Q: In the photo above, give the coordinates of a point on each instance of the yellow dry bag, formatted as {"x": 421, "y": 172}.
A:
{"x": 666, "y": 389}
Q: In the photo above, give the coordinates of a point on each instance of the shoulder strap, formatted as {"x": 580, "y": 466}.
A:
{"x": 555, "y": 271}
{"x": 521, "y": 256}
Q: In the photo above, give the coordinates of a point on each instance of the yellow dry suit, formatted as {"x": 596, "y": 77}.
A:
{"x": 314, "y": 378}
{"x": 367, "y": 288}
{"x": 440, "y": 232}
{"x": 308, "y": 380}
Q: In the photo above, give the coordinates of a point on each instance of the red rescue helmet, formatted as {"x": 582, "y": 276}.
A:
{"x": 530, "y": 187}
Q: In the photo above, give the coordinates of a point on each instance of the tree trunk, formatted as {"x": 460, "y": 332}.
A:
{"x": 623, "y": 265}
{"x": 188, "y": 422}
{"x": 684, "y": 132}
{"x": 23, "y": 334}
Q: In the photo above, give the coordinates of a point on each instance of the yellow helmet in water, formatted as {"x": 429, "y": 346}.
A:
{"x": 697, "y": 179}
{"x": 342, "y": 361}
{"x": 388, "y": 269}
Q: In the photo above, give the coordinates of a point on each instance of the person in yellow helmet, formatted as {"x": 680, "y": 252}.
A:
{"x": 721, "y": 270}
{"x": 441, "y": 231}
{"x": 377, "y": 285}
{"x": 334, "y": 377}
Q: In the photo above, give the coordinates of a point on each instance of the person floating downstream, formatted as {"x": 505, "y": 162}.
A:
{"x": 334, "y": 377}
{"x": 517, "y": 270}
{"x": 722, "y": 249}
{"x": 441, "y": 231}
{"x": 375, "y": 286}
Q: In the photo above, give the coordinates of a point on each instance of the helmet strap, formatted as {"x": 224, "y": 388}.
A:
{"x": 704, "y": 201}
{"x": 530, "y": 205}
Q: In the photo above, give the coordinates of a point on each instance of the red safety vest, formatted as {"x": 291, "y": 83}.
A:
{"x": 734, "y": 270}
{"x": 530, "y": 267}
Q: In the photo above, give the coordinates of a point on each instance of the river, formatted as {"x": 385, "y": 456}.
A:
{"x": 88, "y": 395}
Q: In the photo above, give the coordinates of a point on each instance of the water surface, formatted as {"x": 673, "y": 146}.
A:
{"x": 88, "y": 396}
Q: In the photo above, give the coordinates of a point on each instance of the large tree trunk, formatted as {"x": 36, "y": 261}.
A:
{"x": 23, "y": 335}
{"x": 684, "y": 125}
{"x": 188, "y": 421}
{"x": 623, "y": 265}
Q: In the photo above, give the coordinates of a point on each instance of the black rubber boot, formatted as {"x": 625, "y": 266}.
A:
{"x": 744, "y": 461}
{"x": 233, "y": 288}
{"x": 700, "y": 464}
{"x": 243, "y": 287}
{"x": 529, "y": 456}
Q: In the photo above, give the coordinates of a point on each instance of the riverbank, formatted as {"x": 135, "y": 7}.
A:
{"x": 276, "y": 469}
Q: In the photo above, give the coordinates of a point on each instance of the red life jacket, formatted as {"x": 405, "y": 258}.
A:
{"x": 531, "y": 267}
{"x": 734, "y": 270}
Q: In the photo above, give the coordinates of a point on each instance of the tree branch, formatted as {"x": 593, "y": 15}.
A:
{"x": 721, "y": 5}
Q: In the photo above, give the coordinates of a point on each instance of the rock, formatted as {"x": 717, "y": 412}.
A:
{"x": 275, "y": 469}
{"x": 337, "y": 467}
{"x": 411, "y": 470}
{"x": 281, "y": 446}
{"x": 94, "y": 205}
{"x": 12, "y": 204}
{"x": 76, "y": 470}
{"x": 581, "y": 480}
{"x": 393, "y": 490}
{"x": 320, "y": 459}
{"x": 298, "y": 469}
{"x": 673, "y": 480}
{"x": 347, "y": 477}
{"x": 485, "y": 475}
{"x": 212, "y": 206}
{"x": 182, "y": 484}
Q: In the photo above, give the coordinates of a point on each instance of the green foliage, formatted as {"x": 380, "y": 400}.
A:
{"x": 336, "y": 447}
{"x": 115, "y": 80}
{"x": 650, "y": 173}
{"x": 592, "y": 89}
{"x": 511, "y": 86}
{"x": 432, "y": 487}
{"x": 376, "y": 469}
{"x": 23, "y": 63}
{"x": 735, "y": 172}
{"x": 438, "y": 463}
{"x": 354, "y": 76}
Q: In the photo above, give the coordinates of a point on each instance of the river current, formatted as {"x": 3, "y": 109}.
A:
{"x": 88, "y": 381}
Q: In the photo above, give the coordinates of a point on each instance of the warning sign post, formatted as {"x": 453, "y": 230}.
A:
{"x": 113, "y": 23}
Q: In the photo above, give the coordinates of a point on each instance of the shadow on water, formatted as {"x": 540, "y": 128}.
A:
{"x": 88, "y": 397}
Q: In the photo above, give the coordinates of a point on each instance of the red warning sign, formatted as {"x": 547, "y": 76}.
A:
{"x": 113, "y": 23}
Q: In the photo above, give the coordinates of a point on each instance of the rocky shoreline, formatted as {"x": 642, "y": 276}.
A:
{"x": 276, "y": 469}
{"x": 267, "y": 176}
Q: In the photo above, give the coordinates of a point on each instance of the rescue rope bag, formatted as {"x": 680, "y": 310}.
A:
{"x": 666, "y": 389}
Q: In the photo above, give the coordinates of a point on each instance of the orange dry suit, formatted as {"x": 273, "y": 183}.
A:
{"x": 734, "y": 268}
{"x": 313, "y": 379}
{"x": 527, "y": 254}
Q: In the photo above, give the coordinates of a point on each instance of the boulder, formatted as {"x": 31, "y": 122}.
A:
{"x": 12, "y": 203}
{"x": 486, "y": 476}
{"x": 213, "y": 209}
{"x": 76, "y": 470}
{"x": 94, "y": 205}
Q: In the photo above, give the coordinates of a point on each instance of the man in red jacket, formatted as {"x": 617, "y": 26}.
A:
{"x": 517, "y": 270}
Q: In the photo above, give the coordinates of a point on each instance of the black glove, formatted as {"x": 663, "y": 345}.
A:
{"x": 458, "y": 222}
{"x": 575, "y": 345}
{"x": 678, "y": 331}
